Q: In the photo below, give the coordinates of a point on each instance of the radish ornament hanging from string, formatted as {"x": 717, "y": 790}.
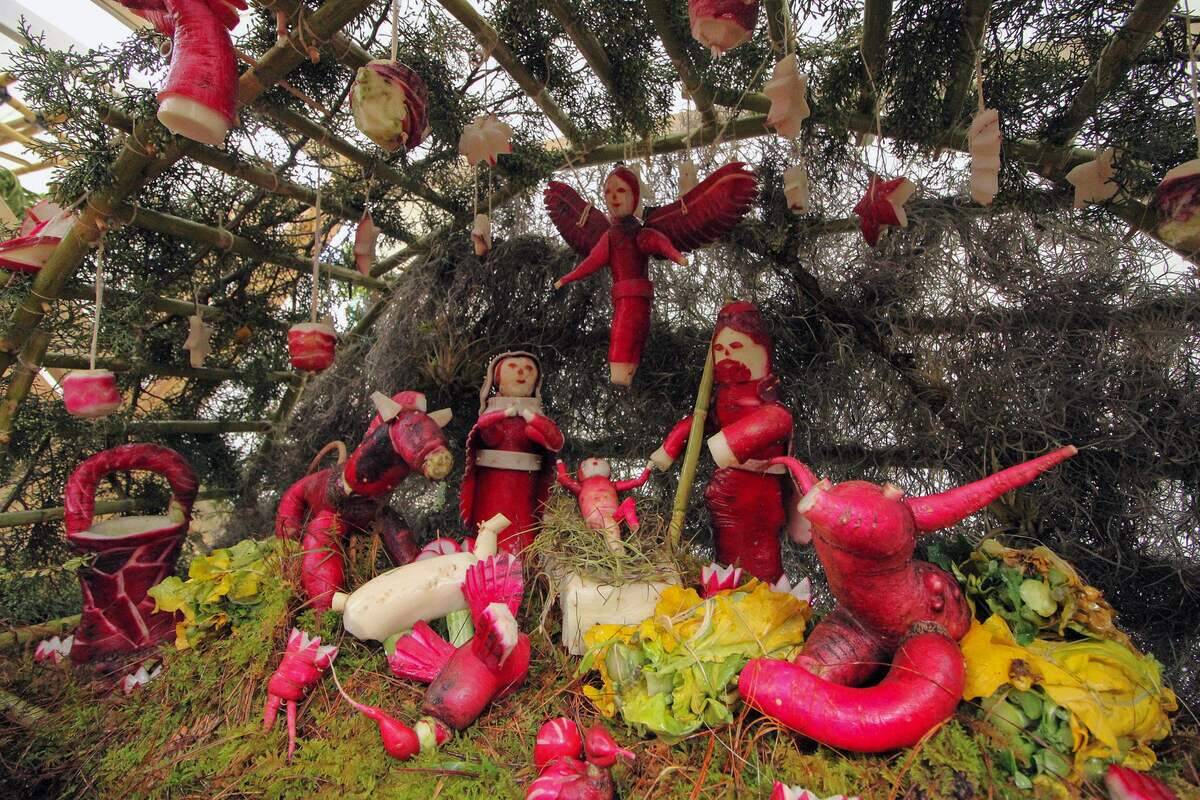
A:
{"x": 1177, "y": 198}
{"x": 44, "y": 226}
{"x": 484, "y": 141}
{"x": 883, "y": 206}
{"x": 984, "y": 142}
{"x": 92, "y": 393}
{"x": 199, "y": 99}
{"x": 199, "y": 334}
{"x": 365, "y": 237}
{"x": 389, "y": 100}
{"x": 722, "y": 25}
{"x": 1093, "y": 180}
{"x": 311, "y": 345}
{"x": 625, "y": 243}
{"x": 788, "y": 93}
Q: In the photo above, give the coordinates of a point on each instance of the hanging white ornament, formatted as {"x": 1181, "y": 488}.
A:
{"x": 481, "y": 234}
{"x": 365, "y": 237}
{"x": 795, "y": 188}
{"x": 485, "y": 139}
{"x": 197, "y": 343}
{"x": 689, "y": 176}
{"x": 983, "y": 140}
{"x": 1093, "y": 180}
{"x": 788, "y": 93}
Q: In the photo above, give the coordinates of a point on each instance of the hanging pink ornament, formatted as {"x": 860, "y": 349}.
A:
{"x": 883, "y": 206}
{"x": 365, "y": 237}
{"x": 1177, "y": 198}
{"x": 984, "y": 142}
{"x": 485, "y": 140}
{"x": 481, "y": 235}
{"x": 42, "y": 229}
{"x": 91, "y": 393}
{"x": 722, "y": 25}
{"x": 1093, "y": 180}
{"x": 788, "y": 92}
{"x": 795, "y": 189}
{"x": 197, "y": 343}
{"x": 390, "y": 103}
{"x": 311, "y": 346}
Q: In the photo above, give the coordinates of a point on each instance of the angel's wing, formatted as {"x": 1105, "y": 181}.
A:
{"x": 579, "y": 222}
{"x": 709, "y": 211}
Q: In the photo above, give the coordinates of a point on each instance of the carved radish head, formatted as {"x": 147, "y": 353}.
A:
{"x": 416, "y": 436}
{"x": 593, "y": 466}
{"x": 622, "y": 192}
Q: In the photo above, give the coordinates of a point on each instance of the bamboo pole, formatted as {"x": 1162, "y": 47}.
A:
{"x": 779, "y": 20}
{"x": 25, "y": 714}
{"x": 21, "y": 382}
{"x": 877, "y": 22}
{"x": 265, "y": 179}
{"x": 691, "y": 456}
{"x": 1114, "y": 62}
{"x": 167, "y": 305}
{"x": 170, "y": 225}
{"x": 465, "y": 12}
{"x": 14, "y": 519}
{"x": 660, "y": 15}
{"x": 586, "y": 42}
{"x": 970, "y": 43}
{"x": 18, "y": 637}
{"x": 49, "y": 163}
{"x": 370, "y": 165}
{"x": 196, "y": 427}
{"x": 65, "y": 361}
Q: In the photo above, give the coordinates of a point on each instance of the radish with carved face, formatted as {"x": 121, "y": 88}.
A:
{"x": 598, "y": 499}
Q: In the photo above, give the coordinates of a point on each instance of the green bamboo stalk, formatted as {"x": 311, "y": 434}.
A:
{"x": 778, "y": 23}
{"x": 465, "y": 12}
{"x": 202, "y": 427}
{"x": 167, "y": 305}
{"x": 970, "y": 42}
{"x": 586, "y": 42}
{"x": 877, "y": 22}
{"x": 13, "y": 519}
{"x": 676, "y": 49}
{"x": 21, "y": 383}
{"x": 691, "y": 456}
{"x": 25, "y": 714}
{"x": 66, "y": 361}
{"x": 18, "y": 637}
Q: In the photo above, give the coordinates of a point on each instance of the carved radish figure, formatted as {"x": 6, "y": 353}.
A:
{"x": 598, "y": 499}
{"x": 133, "y": 553}
{"x": 353, "y": 496}
{"x": 625, "y": 243}
{"x": 509, "y": 470}
{"x": 890, "y": 607}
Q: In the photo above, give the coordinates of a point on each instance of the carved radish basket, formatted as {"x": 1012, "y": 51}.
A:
{"x": 132, "y": 553}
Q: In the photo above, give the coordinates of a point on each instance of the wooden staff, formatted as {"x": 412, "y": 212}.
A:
{"x": 691, "y": 456}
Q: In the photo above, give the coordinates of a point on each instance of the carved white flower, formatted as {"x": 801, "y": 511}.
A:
{"x": 788, "y": 92}
{"x": 1093, "y": 180}
{"x": 485, "y": 139}
{"x": 197, "y": 344}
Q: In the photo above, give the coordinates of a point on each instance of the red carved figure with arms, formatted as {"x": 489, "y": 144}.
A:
{"x": 132, "y": 553}
{"x": 321, "y": 508}
{"x": 748, "y": 427}
{"x": 890, "y": 608}
{"x": 599, "y": 503}
{"x": 624, "y": 243}
{"x": 509, "y": 451}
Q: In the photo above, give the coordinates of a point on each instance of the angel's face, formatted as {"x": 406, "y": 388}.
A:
{"x": 591, "y": 467}
{"x": 516, "y": 377}
{"x": 737, "y": 357}
{"x": 619, "y": 197}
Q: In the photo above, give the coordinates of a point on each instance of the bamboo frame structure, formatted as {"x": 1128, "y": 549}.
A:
{"x": 1051, "y": 157}
{"x": 65, "y": 361}
{"x": 13, "y": 519}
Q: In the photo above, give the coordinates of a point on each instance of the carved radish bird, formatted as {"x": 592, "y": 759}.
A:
{"x": 625, "y": 243}
{"x": 889, "y": 607}
{"x": 353, "y": 496}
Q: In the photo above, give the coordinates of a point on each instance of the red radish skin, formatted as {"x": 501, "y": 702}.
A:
{"x": 722, "y": 25}
{"x": 399, "y": 740}
{"x": 558, "y": 738}
{"x": 1126, "y": 784}
{"x": 602, "y": 749}
{"x": 571, "y": 779}
{"x": 920, "y": 691}
{"x": 322, "y": 565}
{"x": 304, "y": 661}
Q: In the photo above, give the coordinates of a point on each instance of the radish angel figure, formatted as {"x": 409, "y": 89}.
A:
{"x": 599, "y": 503}
{"x": 625, "y": 243}
{"x": 746, "y": 496}
{"x": 509, "y": 451}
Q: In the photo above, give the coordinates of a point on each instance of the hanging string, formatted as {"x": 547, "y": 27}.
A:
{"x": 395, "y": 29}
{"x": 99, "y": 304}
{"x": 979, "y": 79}
{"x": 316, "y": 251}
{"x": 475, "y": 180}
{"x": 1191, "y": 46}
{"x": 490, "y": 173}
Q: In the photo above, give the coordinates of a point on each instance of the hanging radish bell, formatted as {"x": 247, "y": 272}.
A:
{"x": 689, "y": 176}
{"x": 883, "y": 206}
{"x": 132, "y": 553}
{"x": 390, "y": 104}
{"x": 199, "y": 99}
{"x": 481, "y": 235}
{"x": 311, "y": 346}
{"x": 365, "y": 236}
{"x": 1177, "y": 198}
{"x": 722, "y": 25}
{"x": 43, "y": 228}
{"x": 91, "y": 393}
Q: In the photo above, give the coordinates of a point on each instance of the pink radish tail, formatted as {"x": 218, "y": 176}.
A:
{"x": 938, "y": 511}
{"x": 494, "y": 580}
{"x": 803, "y": 476}
{"x": 369, "y": 711}
{"x": 420, "y": 655}
{"x": 293, "y": 511}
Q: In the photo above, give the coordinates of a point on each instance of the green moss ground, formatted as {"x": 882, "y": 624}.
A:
{"x": 196, "y": 733}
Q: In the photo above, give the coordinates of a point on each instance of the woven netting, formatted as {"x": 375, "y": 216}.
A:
{"x": 965, "y": 344}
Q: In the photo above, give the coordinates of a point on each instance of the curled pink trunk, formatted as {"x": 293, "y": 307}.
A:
{"x": 920, "y": 691}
